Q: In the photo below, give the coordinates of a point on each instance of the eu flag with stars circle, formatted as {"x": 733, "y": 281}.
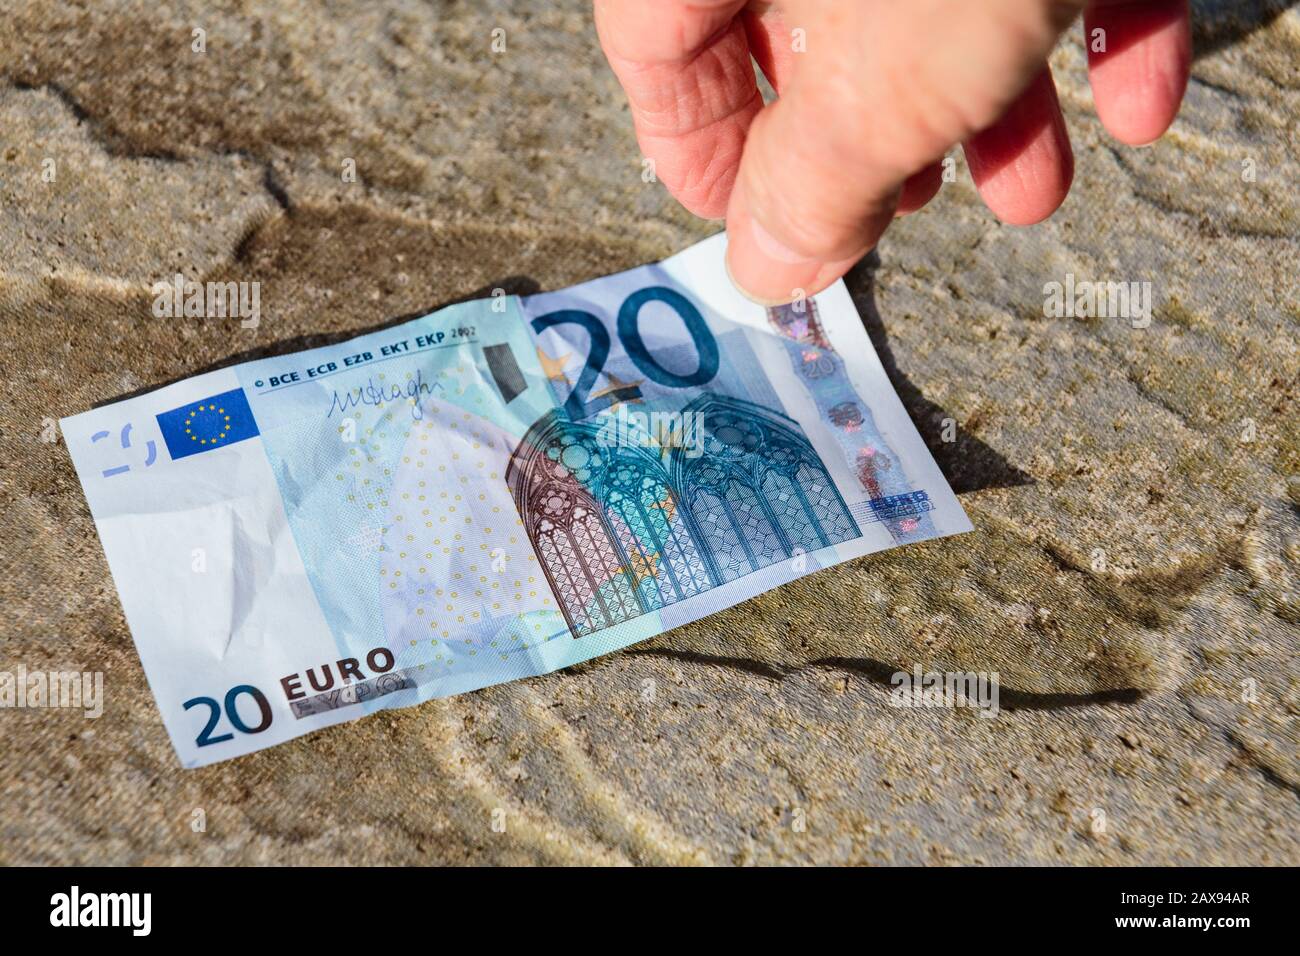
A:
{"x": 208, "y": 424}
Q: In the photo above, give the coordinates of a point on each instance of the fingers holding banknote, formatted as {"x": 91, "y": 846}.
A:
{"x": 872, "y": 94}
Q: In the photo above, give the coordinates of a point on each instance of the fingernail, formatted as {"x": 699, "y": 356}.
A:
{"x": 761, "y": 267}
{"x": 755, "y": 297}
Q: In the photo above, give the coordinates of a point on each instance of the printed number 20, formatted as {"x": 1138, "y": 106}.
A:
{"x": 629, "y": 333}
{"x": 205, "y": 738}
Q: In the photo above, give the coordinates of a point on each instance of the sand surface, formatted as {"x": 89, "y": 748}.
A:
{"x": 1150, "y": 695}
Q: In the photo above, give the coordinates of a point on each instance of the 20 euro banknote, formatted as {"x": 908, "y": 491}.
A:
{"x": 493, "y": 491}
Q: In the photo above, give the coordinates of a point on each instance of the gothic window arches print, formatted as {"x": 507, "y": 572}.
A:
{"x": 624, "y": 530}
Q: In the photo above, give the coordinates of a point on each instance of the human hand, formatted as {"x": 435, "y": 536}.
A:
{"x": 866, "y": 114}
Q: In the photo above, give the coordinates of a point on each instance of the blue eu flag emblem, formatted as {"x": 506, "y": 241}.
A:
{"x": 207, "y": 424}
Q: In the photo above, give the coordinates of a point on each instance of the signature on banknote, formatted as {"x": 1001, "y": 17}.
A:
{"x": 412, "y": 391}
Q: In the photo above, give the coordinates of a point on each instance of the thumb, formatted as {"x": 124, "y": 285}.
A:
{"x": 794, "y": 224}
{"x": 883, "y": 91}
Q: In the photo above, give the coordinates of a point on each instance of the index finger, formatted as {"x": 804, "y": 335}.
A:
{"x": 686, "y": 70}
